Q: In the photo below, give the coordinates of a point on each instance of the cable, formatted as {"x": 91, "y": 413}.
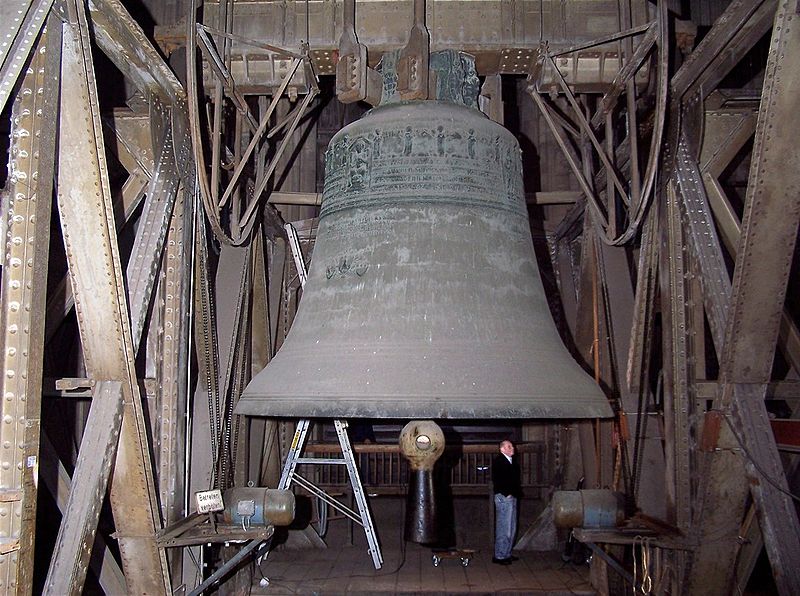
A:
{"x": 757, "y": 466}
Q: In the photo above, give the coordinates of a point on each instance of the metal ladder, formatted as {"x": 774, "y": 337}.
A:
{"x": 290, "y": 474}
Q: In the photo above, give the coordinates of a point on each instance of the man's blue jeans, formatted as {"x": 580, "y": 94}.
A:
{"x": 505, "y": 525}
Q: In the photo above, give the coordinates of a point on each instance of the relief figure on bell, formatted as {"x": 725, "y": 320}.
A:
{"x": 359, "y": 164}
{"x": 376, "y": 145}
{"x": 423, "y": 145}
{"x": 408, "y": 139}
{"x": 440, "y": 141}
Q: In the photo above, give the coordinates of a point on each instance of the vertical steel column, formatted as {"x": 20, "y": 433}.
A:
{"x": 677, "y": 350}
{"x": 22, "y": 305}
{"x": 174, "y": 357}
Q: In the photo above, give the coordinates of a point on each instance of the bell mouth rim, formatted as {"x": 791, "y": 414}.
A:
{"x": 409, "y": 408}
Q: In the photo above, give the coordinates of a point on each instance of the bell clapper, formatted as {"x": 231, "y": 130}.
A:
{"x": 421, "y": 443}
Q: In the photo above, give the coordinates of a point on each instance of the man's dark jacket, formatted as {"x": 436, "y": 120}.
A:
{"x": 505, "y": 476}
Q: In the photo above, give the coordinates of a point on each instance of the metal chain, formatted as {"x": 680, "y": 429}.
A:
{"x": 208, "y": 327}
{"x": 234, "y": 373}
{"x": 244, "y": 365}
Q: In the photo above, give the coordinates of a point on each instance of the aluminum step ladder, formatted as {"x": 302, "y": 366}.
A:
{"x": 290, "y": 475}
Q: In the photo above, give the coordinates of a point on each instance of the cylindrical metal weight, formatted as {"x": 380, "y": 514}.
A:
{"x": 422, "y": 443}
{"x": 258, "y": 506}
{"x": 588, "y": 508}
{"x": 421, "y": 519}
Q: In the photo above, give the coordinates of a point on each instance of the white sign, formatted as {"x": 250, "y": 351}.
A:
{"x": 209, "y": 500}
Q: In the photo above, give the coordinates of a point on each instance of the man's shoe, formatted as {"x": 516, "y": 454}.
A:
{"x": 501, "y": 561}
{"x": 512, "y": 558}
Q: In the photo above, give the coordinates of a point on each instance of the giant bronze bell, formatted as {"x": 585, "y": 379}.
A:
{"x": 423, "y": 298}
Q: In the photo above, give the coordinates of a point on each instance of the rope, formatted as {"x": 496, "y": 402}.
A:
{"x": 650, "y": 570}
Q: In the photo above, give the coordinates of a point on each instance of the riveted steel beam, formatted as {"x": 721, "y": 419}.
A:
{"x": 720, "y": 40}
{"x": 741, "y": 42}
{"x": 106, "y": 568}
{"x": 637, "y": 371}
{"x": 674, "y": 270}
{"x": 625, "y": 75}
{"x": 158, "y": 182}
{"x": 152, "y": 229}
{"x": 704, "y": 240}
{"x": 88, "y": 229}
{"x": 123, "y": 41}
{"x": 132, "y": 141}
{"x": 20, "y": 23}
{"x": 769, "y": 233}
{"x": 725, "y": 133}
{"x": 764, "y": 255}
{"x": 173, "y": 356}
{"x": 77, "y": 532}
{"x": 133, "y": 146}
{"x": 24, "y": 274}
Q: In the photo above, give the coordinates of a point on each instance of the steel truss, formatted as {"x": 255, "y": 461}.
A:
{"x": 110, "y": 332}
{"x": 707, "y": 488}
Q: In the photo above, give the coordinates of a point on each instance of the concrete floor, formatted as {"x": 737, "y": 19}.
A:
{"x": 408, "y": 569}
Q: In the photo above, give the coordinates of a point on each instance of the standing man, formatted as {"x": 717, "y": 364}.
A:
{"x": 507, "y": 489}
